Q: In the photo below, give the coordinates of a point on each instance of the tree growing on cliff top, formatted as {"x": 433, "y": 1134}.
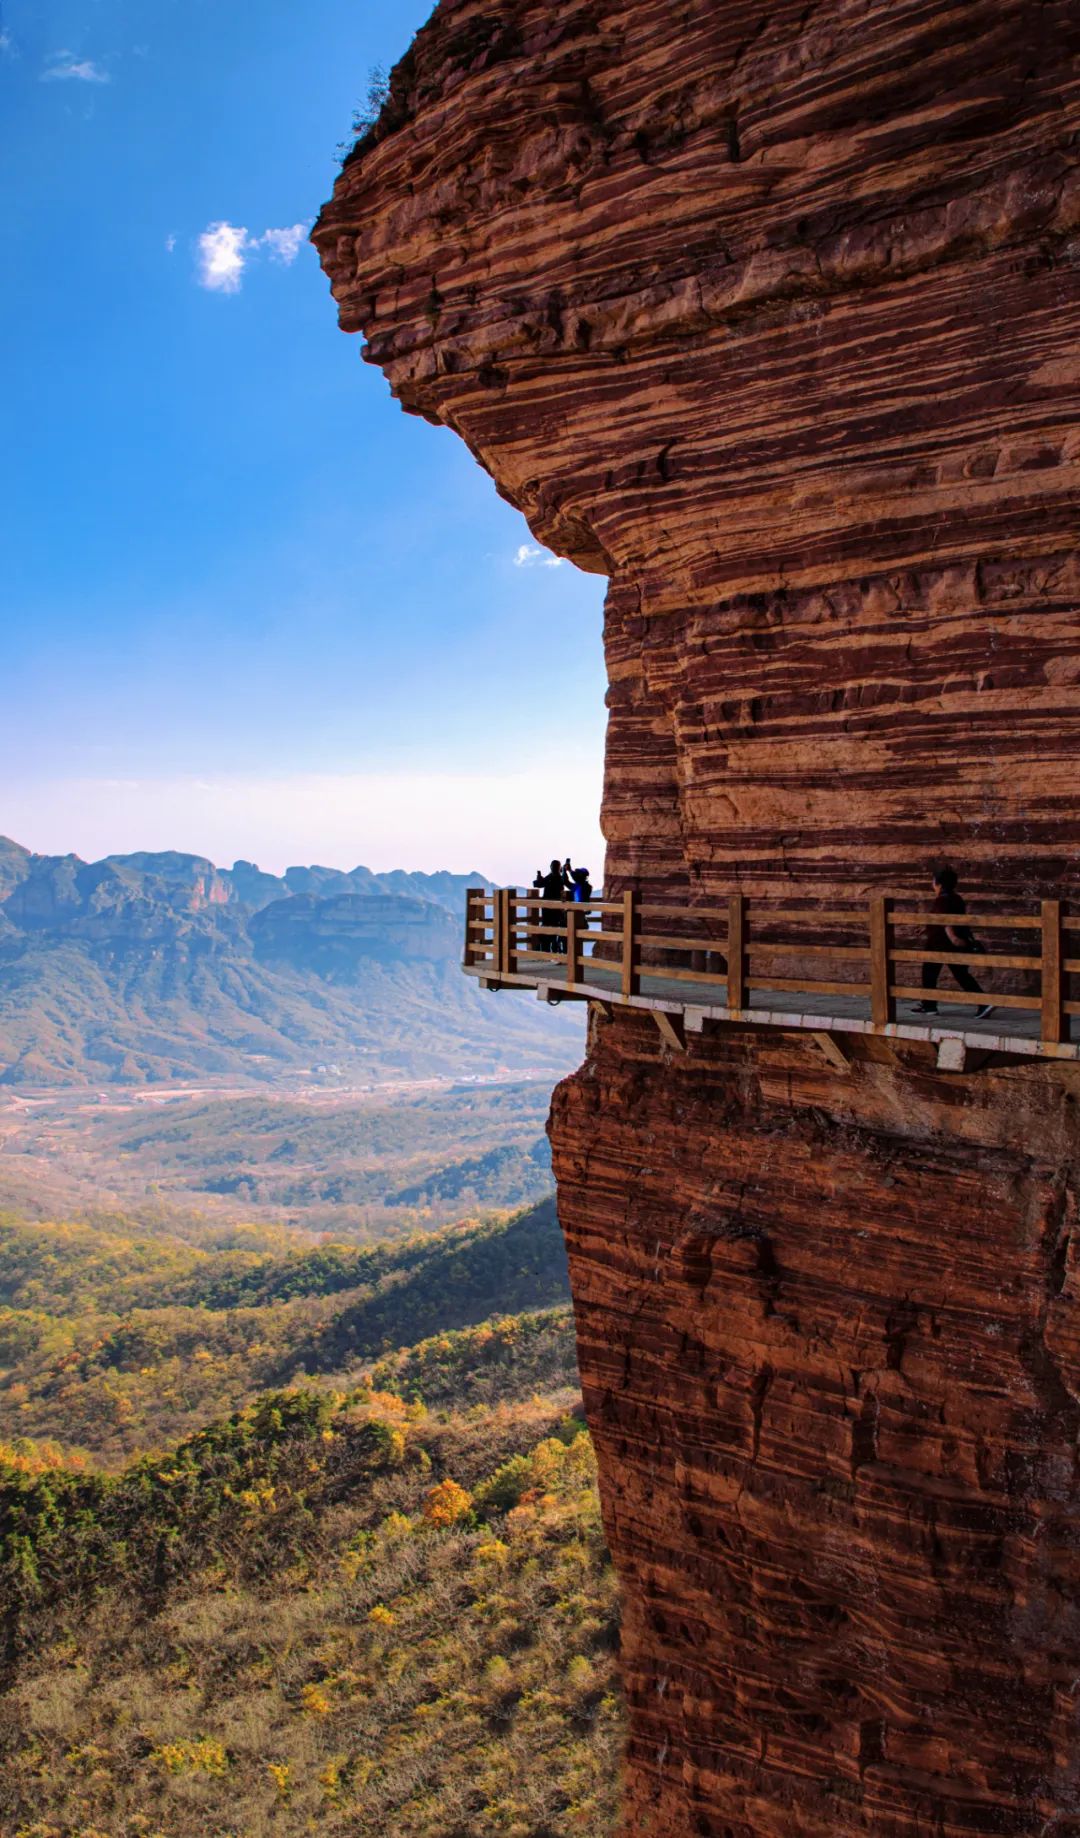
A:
{"x": 366, "y": 114}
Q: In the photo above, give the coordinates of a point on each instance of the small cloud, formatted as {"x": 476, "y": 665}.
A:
{"x": 64, "y": 66}
{"x": 529, "y": 556}
{"x": 170, "y": 243}
{"x": 221, "y": 257}
{"x": 8, "y": 47}
{"x": 226, "y": 248}
{"x": 284, "y": 245}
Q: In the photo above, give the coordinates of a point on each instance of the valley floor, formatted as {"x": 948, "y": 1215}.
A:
{"x": 360, "y": 1162}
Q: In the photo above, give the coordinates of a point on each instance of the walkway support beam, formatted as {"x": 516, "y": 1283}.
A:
{"x": 833, "y": 1051}
{"x": 671, "y": 1029}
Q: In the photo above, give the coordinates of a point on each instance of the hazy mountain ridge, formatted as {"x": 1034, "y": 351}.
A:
{"x": 57, "y": 891}
{"x": 163, "y": 966}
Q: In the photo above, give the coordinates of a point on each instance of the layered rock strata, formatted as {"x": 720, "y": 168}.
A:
{"x": 772, "y": 314}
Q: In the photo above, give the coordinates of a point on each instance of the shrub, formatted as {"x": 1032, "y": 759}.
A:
{"x": 446, "y": 1503}
{"x": 506, "y": 1486}
{"x": 205, "y": 1756}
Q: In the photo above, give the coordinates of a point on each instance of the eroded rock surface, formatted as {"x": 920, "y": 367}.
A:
{"x": 772, "y": 314}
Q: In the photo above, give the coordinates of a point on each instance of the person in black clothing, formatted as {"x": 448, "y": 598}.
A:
{"x": 554, "y": 886}
{"x": 945, "y": 937}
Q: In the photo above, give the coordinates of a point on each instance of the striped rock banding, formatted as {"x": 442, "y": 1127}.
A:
{"x": 771, "y": 313}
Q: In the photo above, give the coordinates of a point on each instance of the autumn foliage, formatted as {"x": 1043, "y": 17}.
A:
{"x": 376, "y": 1601}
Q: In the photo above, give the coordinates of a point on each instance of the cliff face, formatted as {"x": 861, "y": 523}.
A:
{"x": 772, "y": 313}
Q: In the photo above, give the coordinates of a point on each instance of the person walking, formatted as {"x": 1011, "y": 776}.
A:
{"x": 944, "y": 937}
{"x": 554, "y": 886}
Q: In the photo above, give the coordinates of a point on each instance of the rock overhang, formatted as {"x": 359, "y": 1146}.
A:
{"x": 773, "y": 311}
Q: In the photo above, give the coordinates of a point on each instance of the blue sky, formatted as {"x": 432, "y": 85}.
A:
{"x": 249, "y": 607}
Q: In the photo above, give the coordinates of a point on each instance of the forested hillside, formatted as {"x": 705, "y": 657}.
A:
{"x": 302, "y": 1538}
{"x": 331, "y": 1612}
{"x": 114, "y": 1344}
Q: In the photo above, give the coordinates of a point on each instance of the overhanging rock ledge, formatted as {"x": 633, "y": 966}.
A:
{"x": 772, "y": 314}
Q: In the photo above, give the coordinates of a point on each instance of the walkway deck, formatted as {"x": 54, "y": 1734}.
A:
{"x": 505, "y": 929}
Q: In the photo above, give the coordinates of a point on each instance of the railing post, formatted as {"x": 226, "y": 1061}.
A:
{"x": 631, "y": 963}
{"x": 1052, "y": 1017}
{"x": 502, "y": 953}
{"x": 736, "y": 952}
{"x": 573, "y": 947}
{"x": 882, "y": 1004}
{"x": 473, "y": 898}
{"x": 496, "y": 931}
{"x": 510, "y": 956}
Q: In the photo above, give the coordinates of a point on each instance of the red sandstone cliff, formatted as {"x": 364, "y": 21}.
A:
{"x": 772, "y": 313}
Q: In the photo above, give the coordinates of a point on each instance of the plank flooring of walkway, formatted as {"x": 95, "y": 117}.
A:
{"x": 697, "y": 1003}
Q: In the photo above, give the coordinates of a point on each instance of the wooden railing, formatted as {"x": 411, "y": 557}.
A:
{"x": 867, "y": 955}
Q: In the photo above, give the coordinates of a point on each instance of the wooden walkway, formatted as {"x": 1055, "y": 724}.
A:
{"x": 836, "y": 972}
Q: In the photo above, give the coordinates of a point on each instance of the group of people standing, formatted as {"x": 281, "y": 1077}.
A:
{"x": 563, "y": 886}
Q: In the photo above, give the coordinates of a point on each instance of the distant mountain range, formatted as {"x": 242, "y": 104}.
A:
{"x": 162, "y": 966}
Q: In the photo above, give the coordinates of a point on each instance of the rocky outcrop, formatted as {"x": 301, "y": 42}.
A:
{"x": 772, "y": 314}
{"x": 15, "y": 864}
{"x": 337, "y": 935}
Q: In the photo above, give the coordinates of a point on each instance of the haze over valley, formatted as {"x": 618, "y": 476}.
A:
{"x": 156, "y": 967}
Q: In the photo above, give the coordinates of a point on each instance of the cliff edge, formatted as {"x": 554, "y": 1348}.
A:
{"x": 771, "y": 313}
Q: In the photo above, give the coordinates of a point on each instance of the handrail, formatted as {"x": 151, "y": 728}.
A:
{"x": 507, "y": 928}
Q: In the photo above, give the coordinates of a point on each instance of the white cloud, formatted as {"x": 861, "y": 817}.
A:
{"x": 284, "y": 245}
{"x": 170, "y": 243}
{"x": 8, "y": 47}
{"x": 221, "y": 257}
{"x": 64, "y": 66}
{"x": 529, "y": 556}
{"x": 226, "y": 248}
